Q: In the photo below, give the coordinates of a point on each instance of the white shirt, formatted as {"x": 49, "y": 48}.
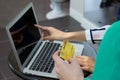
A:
{"x": 96, "y": 35}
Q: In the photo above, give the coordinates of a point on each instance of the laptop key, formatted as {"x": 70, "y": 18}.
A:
{"x": 44, "y": 61}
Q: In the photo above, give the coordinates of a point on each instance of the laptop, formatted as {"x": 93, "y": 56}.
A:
{"x": 33, "y": 55}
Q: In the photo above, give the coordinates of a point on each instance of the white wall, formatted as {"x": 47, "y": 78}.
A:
{"x": 77, "y": 12}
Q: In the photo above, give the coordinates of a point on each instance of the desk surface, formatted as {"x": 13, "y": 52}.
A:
{"x": 65, "y": 23}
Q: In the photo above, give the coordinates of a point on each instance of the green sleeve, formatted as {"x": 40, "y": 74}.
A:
{"x": 107, "y": 65}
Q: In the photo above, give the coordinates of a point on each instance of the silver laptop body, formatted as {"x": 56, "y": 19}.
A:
{"x": 28, "y": 47}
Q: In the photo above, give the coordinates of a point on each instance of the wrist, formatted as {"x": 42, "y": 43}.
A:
{"x": 75, "y": 36}
{"x": 68, "y": 36}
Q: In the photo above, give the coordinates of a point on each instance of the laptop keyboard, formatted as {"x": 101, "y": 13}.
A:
{"x": 44, "y": 61}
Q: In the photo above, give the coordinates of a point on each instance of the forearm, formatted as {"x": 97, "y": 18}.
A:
{"x": 90, "y": 35}
{"x": 75, "y": 36}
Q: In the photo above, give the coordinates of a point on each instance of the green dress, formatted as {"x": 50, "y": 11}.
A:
{"x": 107, "y": 65}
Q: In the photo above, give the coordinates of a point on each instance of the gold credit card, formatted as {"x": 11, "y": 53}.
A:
{"x": 67, "y": 50}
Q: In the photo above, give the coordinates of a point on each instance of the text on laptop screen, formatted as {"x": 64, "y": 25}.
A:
{"x": 25, "y": 35}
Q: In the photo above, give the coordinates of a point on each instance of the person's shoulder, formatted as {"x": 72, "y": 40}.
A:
{"x": 115, "y": 27}
{"x": 117, "y": 23}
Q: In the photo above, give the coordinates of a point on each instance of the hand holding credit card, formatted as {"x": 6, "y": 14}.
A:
{"x": 67, "y": 50}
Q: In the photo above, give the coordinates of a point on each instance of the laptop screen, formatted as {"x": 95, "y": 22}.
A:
{"x": 25, "y": 35}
